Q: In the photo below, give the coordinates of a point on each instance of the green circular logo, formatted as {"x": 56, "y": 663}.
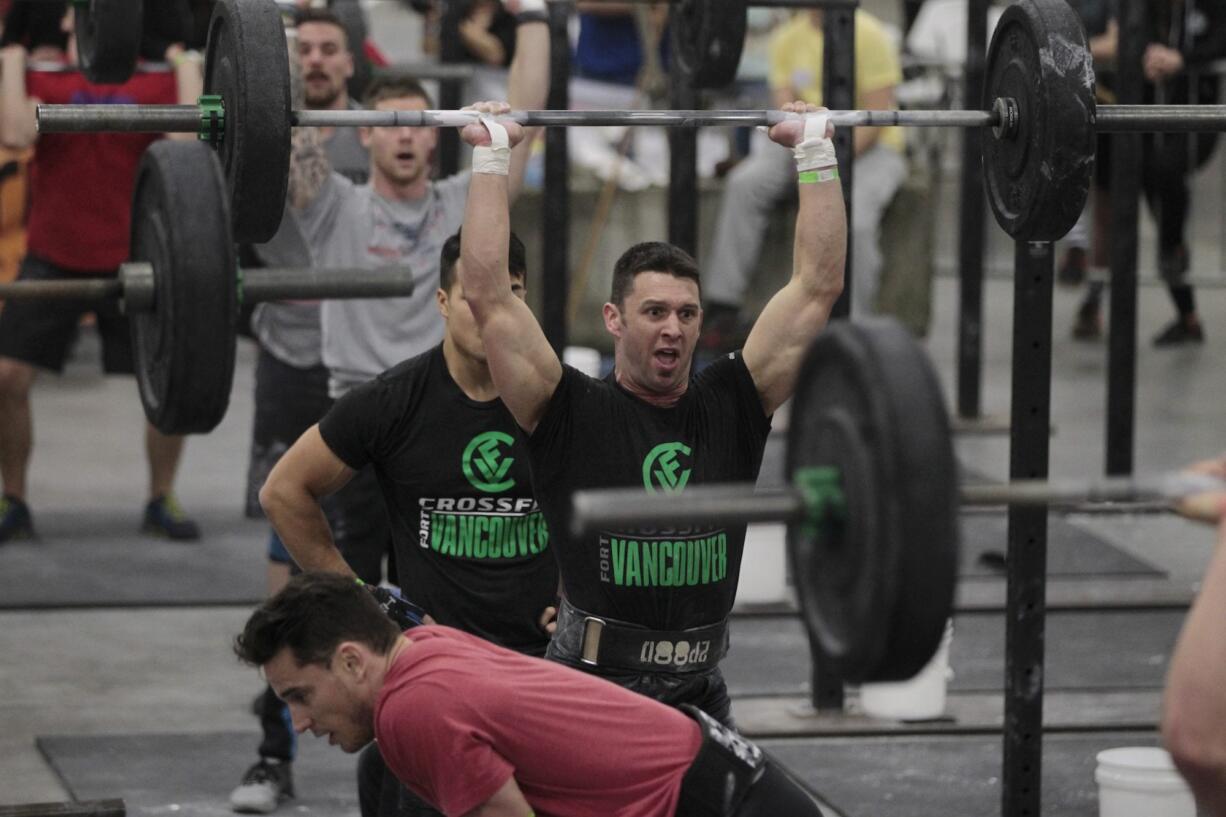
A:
{"x": 486, "y": 464}
{"x": 663, "y": 471}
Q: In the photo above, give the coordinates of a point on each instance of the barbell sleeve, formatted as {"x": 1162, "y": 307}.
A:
{"x": 279, "y": 284}
{"x": 79, "y": 289}
{"x": 740, "y": 502}
{"x": 725, "y": 503}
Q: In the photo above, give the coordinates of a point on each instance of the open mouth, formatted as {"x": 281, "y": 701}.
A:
{"x": 405, "y": 156}
{"x": 667, "y": 357}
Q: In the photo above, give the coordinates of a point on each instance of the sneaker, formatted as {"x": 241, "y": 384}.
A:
{"x": 164, "y": 517}
{"x": 1088, "y": 325}
{"x": 265, "y": 786}
{"x": 15, "y": 520}
{"x": 1178, "y": 333}
{"x": 1073, "y": 268}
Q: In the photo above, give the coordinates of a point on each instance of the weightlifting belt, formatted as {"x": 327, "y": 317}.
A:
{"x": 599, "y": 641}
{"x": 726, "y": 767}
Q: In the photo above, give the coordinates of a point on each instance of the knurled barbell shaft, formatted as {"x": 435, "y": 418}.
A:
{"x": 258, "y": 284}
{"x": 740, "y": 502}
{"x": 187, "y": 118}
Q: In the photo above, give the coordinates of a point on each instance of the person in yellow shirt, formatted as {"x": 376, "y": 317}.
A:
{"x": 766, "y": 178}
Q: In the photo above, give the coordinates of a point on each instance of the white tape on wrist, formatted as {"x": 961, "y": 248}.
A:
{"x": 531, "y": 5}
{"x": 494, "y": 159}
{"x": 815, "y": 151}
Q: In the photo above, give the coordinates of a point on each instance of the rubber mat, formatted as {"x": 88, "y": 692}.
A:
{"x": 1101, "y": 649}
{"x": 1072, "y": 549}
{"x": 99, "y": 559}
{"x": 945, "y": 776}
{"x": 193, "y": 775}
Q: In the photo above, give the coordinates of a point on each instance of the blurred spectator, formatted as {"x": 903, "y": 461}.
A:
{"x": 767, "y": 178}
{"x": 79, "y": 227}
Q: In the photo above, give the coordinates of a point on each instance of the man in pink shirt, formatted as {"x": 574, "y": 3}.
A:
{"x": 481, "y": 731}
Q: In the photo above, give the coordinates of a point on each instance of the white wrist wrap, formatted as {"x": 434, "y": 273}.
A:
{"x": 815, "y": 151}
{"x": 531, "y": 6}
{"x": 494, "y": 159}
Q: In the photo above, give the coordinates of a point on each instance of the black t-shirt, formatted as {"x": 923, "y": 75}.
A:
{"x": 594, "y": 434}
{"x": 472, "y": 547}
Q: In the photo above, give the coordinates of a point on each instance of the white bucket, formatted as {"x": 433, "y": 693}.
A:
{"x": 764, "y": 568}
{"x": 918, "y": 698}
{"x": 583, "y": 358}
{"x": 1141, "y": 781}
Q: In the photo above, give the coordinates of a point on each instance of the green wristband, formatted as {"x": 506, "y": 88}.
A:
{"x": 825, "y": 174}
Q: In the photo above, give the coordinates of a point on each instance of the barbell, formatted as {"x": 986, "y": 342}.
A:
{"x": 182, "y": 289}
{"x": 872, "y": 503}
{"x": 1038, "y": 103}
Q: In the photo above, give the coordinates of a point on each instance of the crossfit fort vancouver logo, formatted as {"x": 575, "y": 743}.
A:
{"x": 663, "y": 470}
{"x": 486, "y": 462}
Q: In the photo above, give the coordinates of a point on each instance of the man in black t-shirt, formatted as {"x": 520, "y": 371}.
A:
{"x": 649, "y": 608}
{"x": 472, "y": 547}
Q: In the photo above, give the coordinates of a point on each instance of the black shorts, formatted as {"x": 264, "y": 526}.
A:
{"x": 42, "y": 333}
{"x": 288, "y": 401}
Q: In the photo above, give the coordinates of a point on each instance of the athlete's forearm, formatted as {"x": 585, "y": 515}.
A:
{"x": 299, "y": 520}
{"x": 18, "y": 125}
{"x": 309, "y": 167}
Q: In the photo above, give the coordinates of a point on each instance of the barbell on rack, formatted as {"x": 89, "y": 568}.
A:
{"x": 1038, "y": 102}
{"x": 182, "y": 289}
{"x": 872, "y": 507}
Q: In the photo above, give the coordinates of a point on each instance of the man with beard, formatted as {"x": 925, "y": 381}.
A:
{"x": 291, "y": 382}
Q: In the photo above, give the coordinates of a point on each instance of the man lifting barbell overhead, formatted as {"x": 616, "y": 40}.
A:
{"x": 648, "y": 607}
{"x": 481, "y": 731}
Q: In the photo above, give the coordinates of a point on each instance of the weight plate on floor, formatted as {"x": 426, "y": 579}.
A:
{"x": 247, "y": 64}
{"x": 707, "y": 39}
{"x": 108, "y": 38}
{"x": 1038, "y": 169}
{"x": 876, "y": 579}
{"x": 184, "y": 346}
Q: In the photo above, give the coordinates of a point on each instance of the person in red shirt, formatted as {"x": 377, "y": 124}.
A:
{"x": 79, "y": 219}
{"x": 482, "y": 731}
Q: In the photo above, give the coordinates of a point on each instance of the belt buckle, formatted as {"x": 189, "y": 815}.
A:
{"x": 589, "y": 648}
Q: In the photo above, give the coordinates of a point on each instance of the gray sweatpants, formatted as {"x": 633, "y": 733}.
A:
{"x": 767, "y": 177}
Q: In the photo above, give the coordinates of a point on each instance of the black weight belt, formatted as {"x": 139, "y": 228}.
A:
{"x": 611, "y": 644}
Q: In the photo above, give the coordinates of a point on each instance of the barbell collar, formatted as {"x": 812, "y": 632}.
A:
{"x": 292, "y": 283}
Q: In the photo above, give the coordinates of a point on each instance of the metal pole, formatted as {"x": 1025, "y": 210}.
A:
{"x": 973, "y": 233}
{"x": 79, "y": 290}
{"x": 187, "y": 118}
{"x": 737, "y": 502}
{"x": 1026, "y": 562}
{"x": 555, "y": 205}
{"x": 683, "y": 169}
{"x": 1127, "y": 155}
{"x": 838, "y": 92}
{"x": 284, "y": 283}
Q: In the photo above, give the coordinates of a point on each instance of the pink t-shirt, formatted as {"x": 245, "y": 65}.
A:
{"x": 459, "y": 716}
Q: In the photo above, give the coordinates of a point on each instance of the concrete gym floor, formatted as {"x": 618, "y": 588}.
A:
{"x": 162, "y": 670}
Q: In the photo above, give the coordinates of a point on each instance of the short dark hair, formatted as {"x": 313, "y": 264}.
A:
{"x": 382, "y": 88}
{"x": 317, "y": 15}
{"x": 312, "y": 615}
{"x": 517, "y": 260}
{"x": 651, "y": 256}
